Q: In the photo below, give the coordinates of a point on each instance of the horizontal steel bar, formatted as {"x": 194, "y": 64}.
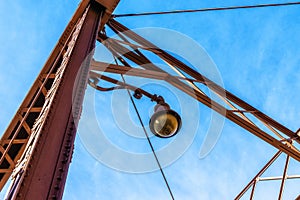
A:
{"x": 105, "y": 67}
{"x": 278, "y": 178}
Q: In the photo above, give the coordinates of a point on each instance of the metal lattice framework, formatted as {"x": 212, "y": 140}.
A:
{"x": 40, "y": 133}
{"x": 187, "y": 80}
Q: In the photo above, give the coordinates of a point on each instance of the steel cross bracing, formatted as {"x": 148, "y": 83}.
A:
{"x": 237, "y": 110}
{"x": 21, "y": 144}
{"x": 187, "y": 79}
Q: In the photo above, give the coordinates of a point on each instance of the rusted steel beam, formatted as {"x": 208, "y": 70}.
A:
{"x": 165, "y": 56}
{"x": 42, "y": 171}
{"x": 282, "y": 145}
{"x": 230, "y": 115}
{"x": 274, "y": 178}
{"x": 31, "y": 106}
{"x": 253, "y": 190}
{"x": 252, "y": 128}
{"x": 109, "y": 6}
{"x": 34, "y": 98}
{"x": 284, "y": 177}
{"x": 112, "y": 68}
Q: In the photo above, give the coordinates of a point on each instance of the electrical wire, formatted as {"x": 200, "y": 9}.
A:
{"x": 148, "y": 139}
{"x": 207, "y": 9}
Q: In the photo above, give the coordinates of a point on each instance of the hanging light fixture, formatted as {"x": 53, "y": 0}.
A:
{"x": 164, "y": 122}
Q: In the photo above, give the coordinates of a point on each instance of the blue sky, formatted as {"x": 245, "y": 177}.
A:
{"x": 256, "y": 52}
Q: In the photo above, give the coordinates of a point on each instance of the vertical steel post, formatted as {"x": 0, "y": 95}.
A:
{"x": 42, "y": 171}
{"x": 284, "y": 177}
{"x": 253, "y": 189}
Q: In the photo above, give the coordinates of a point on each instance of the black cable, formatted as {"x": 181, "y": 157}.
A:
{"x": 151, "y": 146}
{"x": 208, "y": 9}
{"x": 148, "y": 139}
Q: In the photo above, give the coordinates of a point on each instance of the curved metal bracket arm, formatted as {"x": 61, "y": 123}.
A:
{"x": 95, "y": 78}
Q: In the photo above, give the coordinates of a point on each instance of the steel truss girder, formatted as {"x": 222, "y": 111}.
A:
{"x": 258, "y": 177}
{"x": 282, "y": 137}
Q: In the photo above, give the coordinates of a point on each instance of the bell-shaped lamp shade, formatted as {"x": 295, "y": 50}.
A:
{"x": 165, "y": 123}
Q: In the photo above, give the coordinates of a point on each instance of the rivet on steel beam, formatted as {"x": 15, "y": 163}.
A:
{"x": 66, "y": 154}
{"x": 298, "y": 132}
